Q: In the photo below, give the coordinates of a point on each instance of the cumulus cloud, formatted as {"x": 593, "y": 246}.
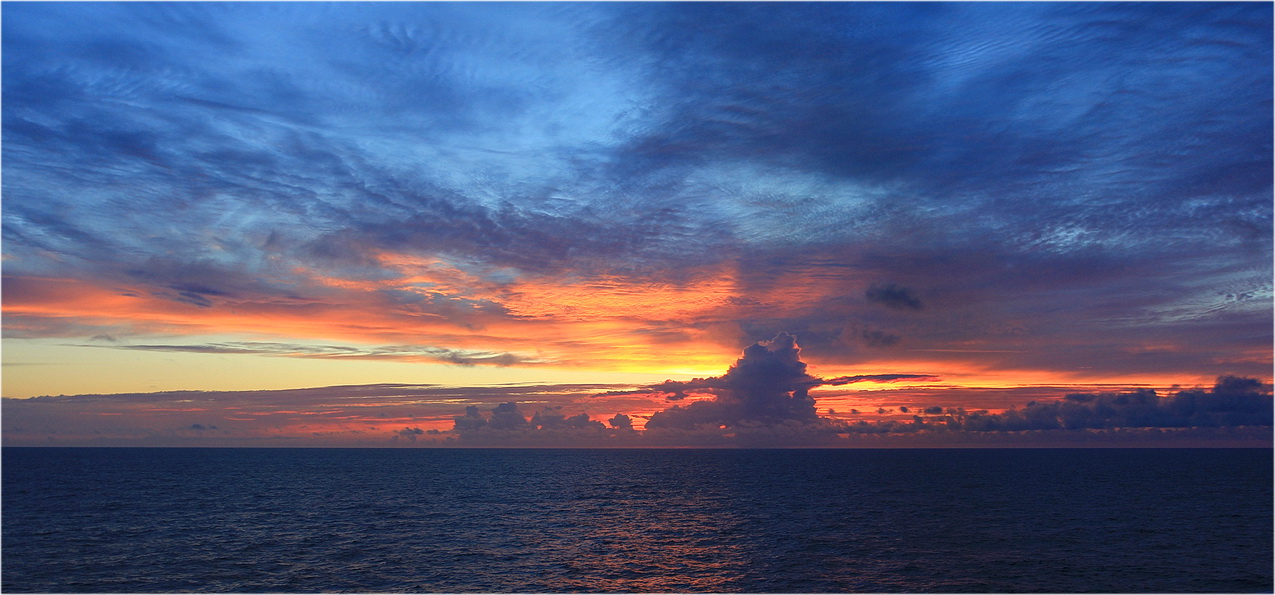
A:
{"x": 506, "y": 425}
{"x": 768, "y": 385}
{"x": 507, "y": 416}
{"x": 472, "y": 421}
{"x": 408, "y": 433}
{"x": 621, "y": 422}
{"x": 551, "y": 418}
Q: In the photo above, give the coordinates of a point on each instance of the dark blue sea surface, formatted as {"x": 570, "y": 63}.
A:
{"x": 806, "y": 521}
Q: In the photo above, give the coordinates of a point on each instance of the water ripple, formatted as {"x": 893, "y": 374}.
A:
{"x": 248, "y": 520}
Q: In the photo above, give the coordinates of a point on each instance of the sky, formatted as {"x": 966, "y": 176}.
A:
{"x": 636, "y": 223}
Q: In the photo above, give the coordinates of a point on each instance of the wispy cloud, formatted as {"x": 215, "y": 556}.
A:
{"x": 1078, "y": 189}
{"x": 396, "y": 352}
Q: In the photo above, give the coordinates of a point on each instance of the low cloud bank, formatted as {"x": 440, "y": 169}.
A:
{"x": 764, "y": 399}
{"x": 508, "y": 425}
{"x": 1232, "y": 402}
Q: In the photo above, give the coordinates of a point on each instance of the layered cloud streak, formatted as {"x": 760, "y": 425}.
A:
{"x": 973, "y": 190}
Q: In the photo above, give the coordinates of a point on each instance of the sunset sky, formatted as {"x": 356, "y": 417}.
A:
{"x": 428, "y": 207}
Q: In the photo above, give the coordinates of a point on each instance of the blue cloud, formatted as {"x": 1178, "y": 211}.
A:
{"x": 1006, "y": 160}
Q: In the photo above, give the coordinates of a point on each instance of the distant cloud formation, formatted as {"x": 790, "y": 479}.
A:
{"x": 1232, "y": 402}
{"x": 763, "y": 399}
{"x": 353, "y": 415}
{"x": 409, "y": 433}
{"x": 1235, "y": 411}
{"x": 767, "y": 385}
{"x": 549, "y": 426}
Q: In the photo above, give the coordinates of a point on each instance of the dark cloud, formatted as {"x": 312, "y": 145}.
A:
{"x": 769, "y": 382}
{"x": 821, "y": 109}
{"x": 506, "y": 416}
{"x": 472, "y": 421}
{"x": 893, "y": 296}
{"x": 551, "y": 418}
{"x": 877, "y": 338}
{"x": 980, "y": 96}
{"x": 408, "y": 433}
{"x": 773, "y": 380}
{"x": 1232, "y": 402}
{"x": 549, "y": 426}
{"x": 878, "y": 378}
{"x": 767, "y": 385}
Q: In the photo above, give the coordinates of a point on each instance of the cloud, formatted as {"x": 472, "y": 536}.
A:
{"x": 551, "y": 418}
{"x": 1235, "y": 410}
{"x": 408, "y": 433}
{"x": 403, "y": 352}
{"x": 472, "y": 421}
{"x": 1232, "y": 402}
{"x": 621, "y": 422}
{"x": 245, "y": 169}
{"x": 948, "y": 70}
{"x": 506, "y": 416}
{"x": 549, "y": 426}
{"x": 354, "y": 415}
{"x": 893, "y": 296}
{"x": 768, "y": 385}
{"x": 878, "y": 378}
{"x": 876, "y": 338}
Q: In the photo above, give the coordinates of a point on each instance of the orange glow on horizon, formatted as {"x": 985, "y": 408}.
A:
{"x": 602, "y": 324}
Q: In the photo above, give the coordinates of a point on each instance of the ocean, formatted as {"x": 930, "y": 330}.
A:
{"x": 575, "y": 520}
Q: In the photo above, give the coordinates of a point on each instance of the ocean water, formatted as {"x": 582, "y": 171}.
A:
{"x": 804, "y": 521}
